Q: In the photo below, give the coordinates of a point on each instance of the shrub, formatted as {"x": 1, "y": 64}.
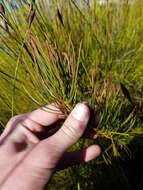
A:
{"x": 68, "y": 53}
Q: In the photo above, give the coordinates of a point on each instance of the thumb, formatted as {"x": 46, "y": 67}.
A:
{"x": 73, "y": 128}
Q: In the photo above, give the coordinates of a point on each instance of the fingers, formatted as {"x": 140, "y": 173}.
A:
{"x": 72, "y": 129}
{"x": 23, "y": 134}
{"x": 77, "y": 157}
{"x": 11, "y": 125}
{"x": 49, "y": 151}
{"x": 46, "y": 115}
{"x": 41, "y": 117}
{"x": 21, "y": 128}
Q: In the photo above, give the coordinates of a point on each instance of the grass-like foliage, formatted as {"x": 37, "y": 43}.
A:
{"x": 69, "y": 52}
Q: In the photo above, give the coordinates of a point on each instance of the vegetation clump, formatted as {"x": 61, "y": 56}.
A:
{"x": 68, "y": 53}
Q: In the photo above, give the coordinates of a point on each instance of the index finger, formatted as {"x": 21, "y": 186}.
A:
{"x": 46, "y": 115}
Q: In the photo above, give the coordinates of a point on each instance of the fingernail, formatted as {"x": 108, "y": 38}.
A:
{"x": 88, "y": 104}
{"x": 85, "y": 103}
{"x": 81, "y": 112}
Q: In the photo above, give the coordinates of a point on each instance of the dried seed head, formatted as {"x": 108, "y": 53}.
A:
{"x": 31, "y": 16}
{"x": 3, "y": 22}
{"x": 2, "y": 10}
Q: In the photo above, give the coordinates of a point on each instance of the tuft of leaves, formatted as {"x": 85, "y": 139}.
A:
{"x": 99, "y": 46}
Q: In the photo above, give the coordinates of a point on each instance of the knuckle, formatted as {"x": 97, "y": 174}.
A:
{"x": 17, "y": 118}
{"x": 35, "y": 127}
{"x": 14, "y": 118}
{"x": 68, "y": 131}
{"x": 73, "y": 130}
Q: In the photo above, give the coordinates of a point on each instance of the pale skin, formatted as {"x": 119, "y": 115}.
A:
{"x": 28, "y": 162}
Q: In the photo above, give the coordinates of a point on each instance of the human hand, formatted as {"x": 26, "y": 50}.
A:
{"x": 28, "y": 163}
